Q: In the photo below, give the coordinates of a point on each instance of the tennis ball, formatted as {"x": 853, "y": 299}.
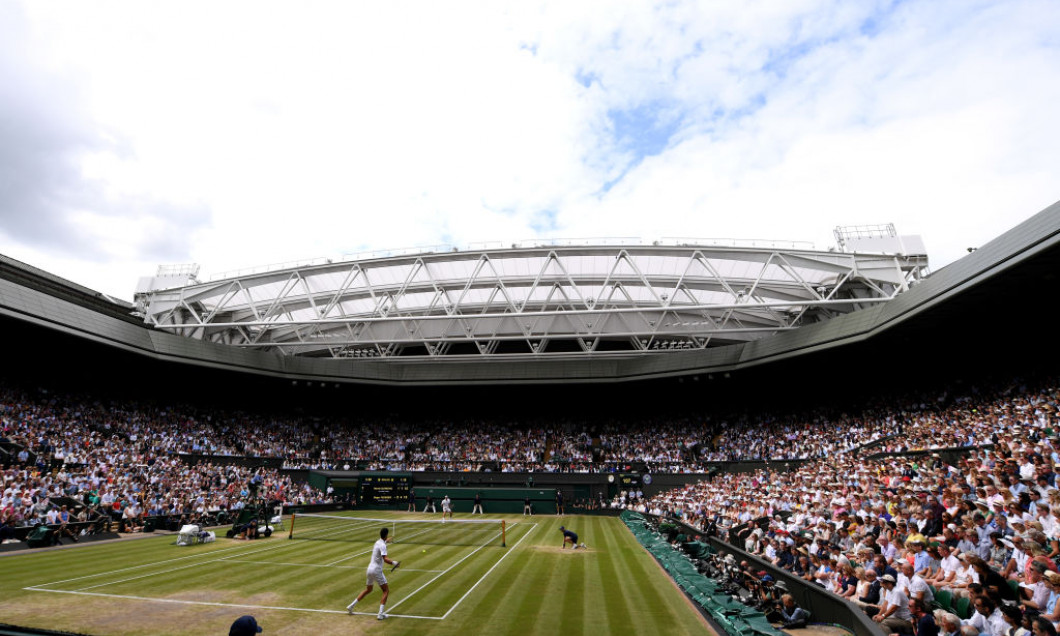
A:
{"x": 425, "y": 552}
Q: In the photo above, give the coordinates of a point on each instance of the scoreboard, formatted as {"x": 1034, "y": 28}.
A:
{"x": 385, "y": 489}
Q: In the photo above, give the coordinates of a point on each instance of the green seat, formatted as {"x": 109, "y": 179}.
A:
{"x": 963, "y": 608}
{"x": 38, "y": 537}
{"x": 945, "y": 599}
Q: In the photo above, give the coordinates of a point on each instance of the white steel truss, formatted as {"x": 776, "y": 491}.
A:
{"x": 531, "y": 301}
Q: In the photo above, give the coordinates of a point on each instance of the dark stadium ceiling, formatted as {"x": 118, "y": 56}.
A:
{"x": 528, "y": 302}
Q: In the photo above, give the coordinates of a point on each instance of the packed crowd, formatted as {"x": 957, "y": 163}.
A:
{"x": 167, "y": 487}
{"x": 169, "y": 457}
{"x": 893, "y": 532}
{"x": 675, "y": 443}
{"x": 69, "y": 461}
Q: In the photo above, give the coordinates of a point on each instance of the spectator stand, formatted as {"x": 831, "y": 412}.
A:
{"x": 824, "y": 606}
{"x": 722, "y": 612}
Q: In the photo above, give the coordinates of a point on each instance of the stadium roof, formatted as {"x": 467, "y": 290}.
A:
{"x": 536, "y": 301}
{"x": 1015, "y": 268}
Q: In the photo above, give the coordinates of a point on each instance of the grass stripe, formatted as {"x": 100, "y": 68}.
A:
{"x": 492, "y": 609}
{"x": 531, "y": 588}
{"x": 617, "y": 611}
{"x": 472, "y": 589}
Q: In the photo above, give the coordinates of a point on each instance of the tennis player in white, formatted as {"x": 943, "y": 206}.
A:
{"x": 447, "y": 508}
{"x": 375, "y": 573}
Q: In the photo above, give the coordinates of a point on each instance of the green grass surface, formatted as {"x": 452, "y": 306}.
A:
{"x": 150, "y": 586}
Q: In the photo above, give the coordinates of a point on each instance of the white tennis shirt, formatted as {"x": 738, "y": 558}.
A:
{"x": 378, "y": 552}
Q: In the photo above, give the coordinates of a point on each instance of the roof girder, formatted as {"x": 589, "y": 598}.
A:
{"x": 414, "y": 300}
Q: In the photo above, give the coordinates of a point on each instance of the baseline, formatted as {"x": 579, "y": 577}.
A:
{"x": 243, "y": 547}
{"x": 217, "y": 604}
{"x": 235, "y": 559}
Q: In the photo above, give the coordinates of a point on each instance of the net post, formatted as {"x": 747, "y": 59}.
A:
{"x": 504, "y": 543}
{"x": 290, "y": 535}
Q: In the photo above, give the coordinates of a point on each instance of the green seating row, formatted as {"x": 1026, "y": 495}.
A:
{"x": 734, "y": 617}
{"x": 962, "y": 607}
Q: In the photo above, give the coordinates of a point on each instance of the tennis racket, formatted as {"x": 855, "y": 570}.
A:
{"x": 395, "y": 566}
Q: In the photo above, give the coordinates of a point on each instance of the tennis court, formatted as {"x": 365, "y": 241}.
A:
{"x": 457, "y": 555}
{"x": 453, "y": 577}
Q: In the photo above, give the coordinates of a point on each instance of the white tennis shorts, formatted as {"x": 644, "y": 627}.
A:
{"x": 376, "y": 576}
{"x": 445, "y": 508}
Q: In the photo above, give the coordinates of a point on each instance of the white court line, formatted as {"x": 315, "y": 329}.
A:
{"x": 402, "y": 540}
{"x": 352, "y": 556}
{"x": 145, "y": 565}
{"x": 249, "y": 552}
{"x": 300, "y": 565}
{"x": 472, "y": 588}
{"x": 356, "y": 526}
{"x": 469, "y": 554}
{"x": 366, "y": 552}
{"x": 273, "y": 607}
{"x": 315, "y": 565}
{"x": 339, "y": 530}
{"x": 154, "y": 563}
{"x": 246, "y": 548}
{"x": 183, "y": 567}
{"x": 214, "y": 604}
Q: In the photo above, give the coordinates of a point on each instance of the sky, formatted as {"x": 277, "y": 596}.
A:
{"x": 240, "y": 134}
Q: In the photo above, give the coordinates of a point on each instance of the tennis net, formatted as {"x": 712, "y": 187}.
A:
{"x": 320, "y": 527}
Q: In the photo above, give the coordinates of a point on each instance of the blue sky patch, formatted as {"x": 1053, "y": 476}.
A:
{"x": 586, "y": 78}
{"x": 642, "y": 131}
{"x": 873, "y": 24}
{"x": 646, "y": 129}
{"x": 544, "y": 221}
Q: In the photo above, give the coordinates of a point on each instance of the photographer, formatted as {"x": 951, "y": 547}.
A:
{"x": 788, "y": 614}
{"x": 769, "y": 594}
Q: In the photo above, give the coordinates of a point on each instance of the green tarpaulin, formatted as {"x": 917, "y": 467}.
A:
{"x": 734, "y": 617}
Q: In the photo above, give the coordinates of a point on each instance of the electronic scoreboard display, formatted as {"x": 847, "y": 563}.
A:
{"x": 385, "y": 489}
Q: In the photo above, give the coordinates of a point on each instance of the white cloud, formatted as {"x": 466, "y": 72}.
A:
{"x": 248, "y": 133}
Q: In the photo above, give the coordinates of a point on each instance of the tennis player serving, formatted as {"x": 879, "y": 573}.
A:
{"x": 571, "y": 538}
{"x": 375, "y": 573}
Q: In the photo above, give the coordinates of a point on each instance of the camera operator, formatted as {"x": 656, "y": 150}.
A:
{"x": 769, "y": 594}
{"x": 748, "y": 578}
{"x": 789, "y": 614}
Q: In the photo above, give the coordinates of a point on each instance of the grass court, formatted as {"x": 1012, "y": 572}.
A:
{"x": 448, "y": 583}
